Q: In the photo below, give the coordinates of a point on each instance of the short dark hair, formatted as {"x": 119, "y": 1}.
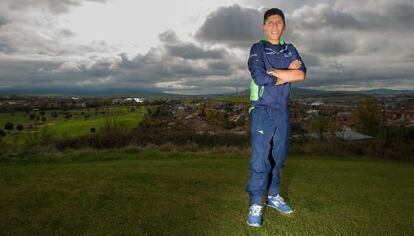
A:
{"x": 273, "y": 11}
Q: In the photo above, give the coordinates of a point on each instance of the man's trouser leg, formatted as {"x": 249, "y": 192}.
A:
{"x": 261, "y": 129}
{"x": 280, "y": 148}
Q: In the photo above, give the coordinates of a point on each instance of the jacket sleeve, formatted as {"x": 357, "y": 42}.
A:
{"x": 296, "y": 56}
{"x": 257, "y": 67}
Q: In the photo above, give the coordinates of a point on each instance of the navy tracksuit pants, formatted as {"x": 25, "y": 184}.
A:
{"x": 270, "y": 131}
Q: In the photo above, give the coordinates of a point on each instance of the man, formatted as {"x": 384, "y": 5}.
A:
{"x": 273, "y": 65}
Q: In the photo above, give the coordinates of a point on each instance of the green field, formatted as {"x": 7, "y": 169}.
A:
{"x": 74, "y": 126}
{"x": 144, "y": 192}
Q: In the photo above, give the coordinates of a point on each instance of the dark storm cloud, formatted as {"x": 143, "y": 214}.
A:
{"x": 167, "y": 68}
{"x": 322, "y": 27}
{"x": 402, "y": 15}
{"x": 157, "y": 70}
{"x": 327, "y": 30}
{"x": 174, "y": 65}
{"x": 186, "y": 50}
{"x": 3, "y": 21}
{"x": 100, "y": 68}
{"x": 352, "y": 77}
{"x": 328, "y": 43}
{"x": 219, "y": 65}
{"x": 168, "y": 37}
{"x": 234, "y": 25}
{"x": 126, "y": 63}
{"x": 191, "y": 51}
{"x": 323, "y": 16}
{"x": 240, "y": 27}
{"x": 30, "y": 42}
{"x": 175, "y": 58}
{"x": 394, "y": 16}
{"x": 20, "y": 72}
{"x": 351, "y": 44}
{"x": 311, "y": 59}
{"x": 54, "y": 6}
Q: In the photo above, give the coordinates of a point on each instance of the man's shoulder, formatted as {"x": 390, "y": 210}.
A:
{"x": 291, "y": 46}
{"x": 256, "y": 44}
{"x": 256, "y": 48}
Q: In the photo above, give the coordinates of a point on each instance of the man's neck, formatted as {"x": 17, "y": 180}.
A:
{"x": 274, "y": 42}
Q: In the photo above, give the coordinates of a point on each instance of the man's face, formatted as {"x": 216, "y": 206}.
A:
{"x": 274, "y": 27}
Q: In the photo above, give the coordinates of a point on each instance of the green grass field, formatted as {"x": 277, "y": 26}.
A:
{"x": 144, "y": 192}
{"x": 75, "y": 126}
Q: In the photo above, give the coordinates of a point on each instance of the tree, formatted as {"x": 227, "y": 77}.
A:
{"x": 19, "y": 127}
{"x": 368, "y": 113}
{"x": 8, "y": 126}
{"x": 321, "y": 125}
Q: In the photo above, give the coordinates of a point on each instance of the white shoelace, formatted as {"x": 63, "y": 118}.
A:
{"x": 281, "y": 200}
{"x": 256, "y": 210}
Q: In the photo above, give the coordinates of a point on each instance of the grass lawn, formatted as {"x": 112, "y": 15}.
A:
{"x": 75, "y": 126}
{"x": 132, "y": 192}
{"x": 82, "y": 126}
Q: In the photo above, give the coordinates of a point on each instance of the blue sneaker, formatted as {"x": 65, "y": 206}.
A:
{"x": 255, "y": 216}
{"x": 278, "y": 203}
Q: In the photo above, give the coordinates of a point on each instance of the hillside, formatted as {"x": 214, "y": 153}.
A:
{"x": 144, "y": 192}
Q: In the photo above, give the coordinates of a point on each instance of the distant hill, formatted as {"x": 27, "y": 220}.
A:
{"x": 386, "y": 91}
{"x": 305, "y": 91}
{"x": 82, "y": 92}
{"x": 75, "y": 91}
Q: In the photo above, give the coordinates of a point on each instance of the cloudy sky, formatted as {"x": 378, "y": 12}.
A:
{"x": 199, "y": 47}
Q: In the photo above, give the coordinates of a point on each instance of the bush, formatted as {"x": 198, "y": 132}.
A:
{"x": 19, "y": 127}
{"x": 38, "y": 138}
{"x": 9, "y": 126}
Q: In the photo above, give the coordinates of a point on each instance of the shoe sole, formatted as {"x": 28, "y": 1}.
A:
{"x": 254, "y": 225}
{"x": 286, "y": 213}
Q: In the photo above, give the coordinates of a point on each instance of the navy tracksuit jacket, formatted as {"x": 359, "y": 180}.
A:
{"x": 269, "y": 117}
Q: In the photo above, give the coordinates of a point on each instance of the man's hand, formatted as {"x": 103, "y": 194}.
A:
{"x": 280, "y": 81}
{"x": 296, "y": 64}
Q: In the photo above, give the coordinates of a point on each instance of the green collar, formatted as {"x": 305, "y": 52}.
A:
{"x": 281, "y": 41}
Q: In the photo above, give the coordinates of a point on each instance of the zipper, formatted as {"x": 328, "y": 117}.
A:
{"x": 261, "y": 89}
